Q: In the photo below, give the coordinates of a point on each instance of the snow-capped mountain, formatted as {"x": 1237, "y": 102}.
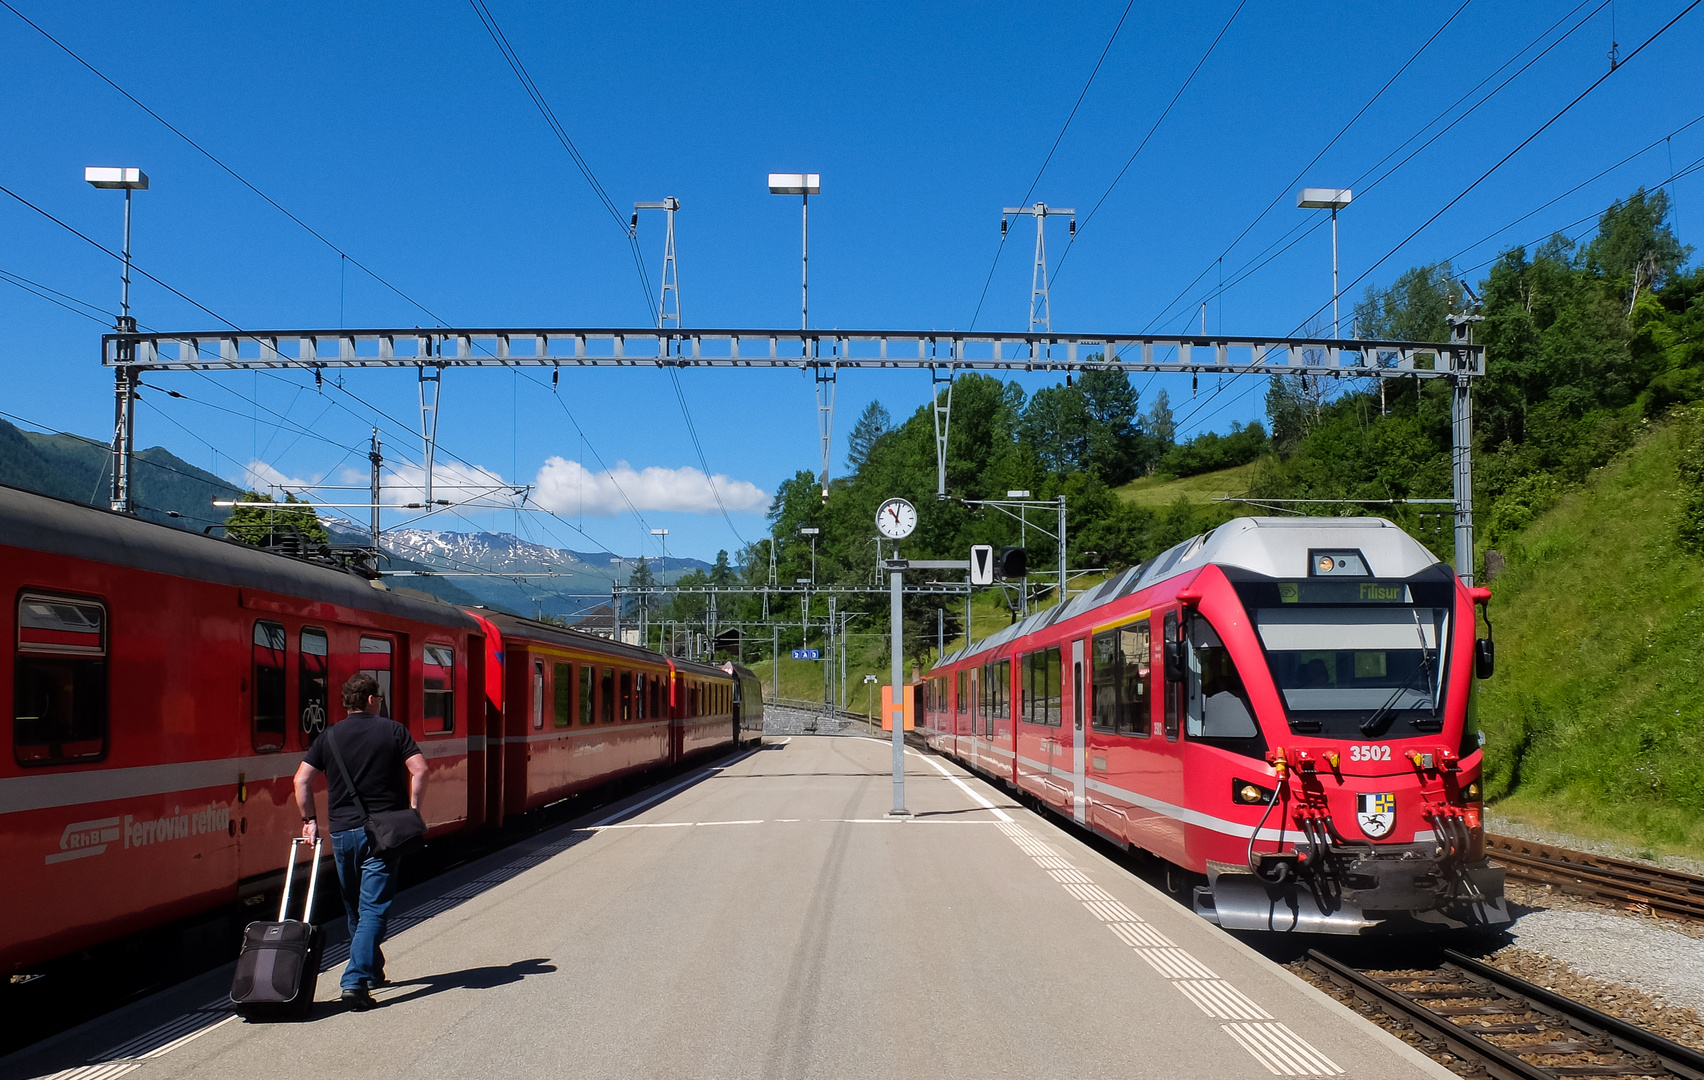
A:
{"x": 499, "y": 552}
{"x": 525, "y": 577}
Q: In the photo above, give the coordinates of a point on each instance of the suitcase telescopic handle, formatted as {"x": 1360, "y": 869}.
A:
{"x": 290, "y": 876}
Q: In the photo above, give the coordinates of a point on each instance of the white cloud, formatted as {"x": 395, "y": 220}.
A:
{"x": 567, "y": 487}
{"x": 261, "y": 476}
{"x": 465, "y": 485}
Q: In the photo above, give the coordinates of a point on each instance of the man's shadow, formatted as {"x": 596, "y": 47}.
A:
{"x": 479, "y": 978}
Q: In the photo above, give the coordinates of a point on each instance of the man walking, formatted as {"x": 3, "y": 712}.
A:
{"x": 389, "y": 773}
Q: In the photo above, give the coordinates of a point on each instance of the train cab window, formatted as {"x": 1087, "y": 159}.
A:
{"x": 1123, "y": 680}
{"x": 606, "y": 694}
{"x": 563, "y": 690}
{"x": 376, "y": 661}
{"x": 313, "y": 683}
{"x": 59, "y": 695}
{"x": 267, "y": 697}
{"x": 626, "y": 696}
{"x": 587, "y": 716}
{"x": 439, "y": 689}
{"x": 1219, "y": 708}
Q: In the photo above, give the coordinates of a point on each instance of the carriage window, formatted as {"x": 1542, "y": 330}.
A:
{"x": 59, "y": 695}
{"x": 606, "y": 690}
{"x": 656, "y": 696}
{"x": 439, "y": 665}
{"x": 626, "y": 696}
{"x": 564, "y": 688}
{"x": 376, "y": 661}
{"x": 538, "y": 695}
{"x": 268, "y": 699}
{"x": 963, "y": 692}
{"x": 1123, "y": 680}
{"x": 1039, "y": 673}
{"x": 312, "y": 683}
{"x": 639, "y": 681}
{"x": 1053, "y": 702}
{"x": 586, "y": 714}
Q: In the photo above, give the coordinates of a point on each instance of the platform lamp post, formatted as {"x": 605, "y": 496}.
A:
{"x": 124, "y": 419}
{"x": 663, "y": 534}
{"x": 1333, "y": 199}
{"x": 803, "y": 185}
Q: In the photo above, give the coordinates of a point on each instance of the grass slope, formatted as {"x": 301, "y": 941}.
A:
{"x": 1162, "y": 491}
{"x": 1595, "y": 718}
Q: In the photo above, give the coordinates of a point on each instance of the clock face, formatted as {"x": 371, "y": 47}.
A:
{"x": 896, "y": 518}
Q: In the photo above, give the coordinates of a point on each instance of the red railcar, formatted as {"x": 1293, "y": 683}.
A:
{"x": 1283, "y": 706}
{"x": 165, "y": 685}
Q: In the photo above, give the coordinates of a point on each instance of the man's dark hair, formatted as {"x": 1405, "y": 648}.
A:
{"x": 358, "y": 689}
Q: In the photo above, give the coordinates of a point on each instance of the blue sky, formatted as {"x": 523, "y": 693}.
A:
{"x": 398, "y": 132}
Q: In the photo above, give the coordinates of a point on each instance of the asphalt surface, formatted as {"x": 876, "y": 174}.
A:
{"x": 765, "y": 918}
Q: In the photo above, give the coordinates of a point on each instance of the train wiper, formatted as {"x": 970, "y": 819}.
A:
{"x": 1371, "y": 723}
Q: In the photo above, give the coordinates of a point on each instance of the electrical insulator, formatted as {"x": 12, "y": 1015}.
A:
{"x": 1002, "y": 228}
{"x": 1073, "y": 227}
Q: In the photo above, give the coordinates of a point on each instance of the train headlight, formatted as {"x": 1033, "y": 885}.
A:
{"x": 1472, "y": 792}
{"x": 1248, "y": 793}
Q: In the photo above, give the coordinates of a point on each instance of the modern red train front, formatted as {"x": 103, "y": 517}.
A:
{"x": 1284, "y": 705}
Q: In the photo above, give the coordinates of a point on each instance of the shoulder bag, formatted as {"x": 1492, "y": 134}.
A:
{"x": 393, "y": 832}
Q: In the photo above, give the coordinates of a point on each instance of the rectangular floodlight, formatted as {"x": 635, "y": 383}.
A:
{"x": 102, "y": 177}
{"x": 1324, "y": 198}
{"x": 794, "y": 183}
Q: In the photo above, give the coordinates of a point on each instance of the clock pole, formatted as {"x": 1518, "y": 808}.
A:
{"x": 898, "y": 618}
{"x": 895, "y": 519}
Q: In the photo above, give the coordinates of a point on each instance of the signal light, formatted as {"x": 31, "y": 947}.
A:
{"x": 1014, "y": 562}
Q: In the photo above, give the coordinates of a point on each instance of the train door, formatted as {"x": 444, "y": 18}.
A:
{"x": 1078, "y": 778}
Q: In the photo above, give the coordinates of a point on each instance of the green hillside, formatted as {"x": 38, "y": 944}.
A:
{"x": 1595, "y": 718}
{"x": 1161, "y": 490}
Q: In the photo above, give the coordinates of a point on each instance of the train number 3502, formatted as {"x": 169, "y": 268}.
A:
{"x": 1369, "y": 753}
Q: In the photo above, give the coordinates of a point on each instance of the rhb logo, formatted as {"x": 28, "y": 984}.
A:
{"x": 1376, "y": 813}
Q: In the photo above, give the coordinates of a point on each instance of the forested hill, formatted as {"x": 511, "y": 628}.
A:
{"x": 1584, "y": 343}
{"x": 80, "y": 469}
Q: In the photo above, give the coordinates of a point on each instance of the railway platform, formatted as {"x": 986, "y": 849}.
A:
{"x": 763, "y": 917}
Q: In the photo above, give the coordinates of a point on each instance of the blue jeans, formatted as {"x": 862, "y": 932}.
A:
{"x": 369, "y": 885}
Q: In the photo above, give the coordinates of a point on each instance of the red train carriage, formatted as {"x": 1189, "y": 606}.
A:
{"x": 587, "y": 710}
{"x": 165, "y": 685}
{"x": 1283, "y": 705}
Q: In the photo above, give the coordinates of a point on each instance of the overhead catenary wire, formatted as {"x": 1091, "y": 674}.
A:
{"x": 1050, "y": 152}
{"x": 1296, "y": 233}
{"x": 245, "y": 182}
{"x": 215, "y": 159}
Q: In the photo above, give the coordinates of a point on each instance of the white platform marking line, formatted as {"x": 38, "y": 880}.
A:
{"x": 1282, "y": 1051}
{"x": 1052, "y": 862}
{"x": 1219, "y": 999}
{"x": 1175, "y": 963}
{"x": 1111, "y": 911}
{"x": 108, "y": 1071}
{"x": 967, "y": 789}
{"x": 1069, "y": 877}
{"x": 670, "y": 790}
{"x": 1141, "y": 935}
{"x": 1087, "y": 893}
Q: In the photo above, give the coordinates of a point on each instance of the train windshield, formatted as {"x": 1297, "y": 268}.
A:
{"x": 1369, "y": 670}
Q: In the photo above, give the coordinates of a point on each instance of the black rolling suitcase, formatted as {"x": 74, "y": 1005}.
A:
{"x": 278, "y": 968}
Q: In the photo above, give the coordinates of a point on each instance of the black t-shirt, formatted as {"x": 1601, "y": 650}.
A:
{"x": 374, "y": 748}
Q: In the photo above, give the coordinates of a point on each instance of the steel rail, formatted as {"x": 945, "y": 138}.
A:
{"x": 1602, "y": 878}
{"x": 1593, "y": 1032}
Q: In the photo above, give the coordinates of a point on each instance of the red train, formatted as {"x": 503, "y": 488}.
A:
{"x": 164, "y": 686}
{"x": 1283, "y": 706}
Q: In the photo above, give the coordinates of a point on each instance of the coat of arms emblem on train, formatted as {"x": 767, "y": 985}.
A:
{"x": 1376, "y": 812}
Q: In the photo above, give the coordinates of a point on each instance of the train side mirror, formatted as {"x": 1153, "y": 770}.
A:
{"x": 1484, "y": 657}
{"x": 1176, "y": 669}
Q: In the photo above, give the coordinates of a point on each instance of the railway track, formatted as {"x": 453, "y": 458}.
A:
{"x": 1508, "y": 1028}
{"x": 1621, "y": 882}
